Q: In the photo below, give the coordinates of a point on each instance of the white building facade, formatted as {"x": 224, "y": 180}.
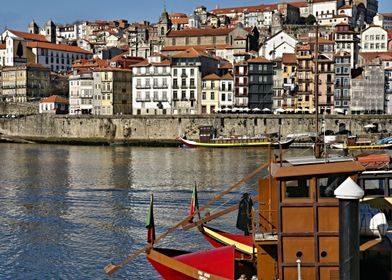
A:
{"x": 152, "y": 87}
{"x": 81, "y": 89}
{"x": 374, "y": 39}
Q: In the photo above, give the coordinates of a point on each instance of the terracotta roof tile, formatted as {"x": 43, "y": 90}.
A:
{"x": 289, "y": 58}
{"x": 197, "y": 47}
{"x": 58, "y": 47}
{"x": 89, "y": 63}
{"x": 29, "y": 36}
{"x": 227, "y": 76}
{"x": 111, "y": 69}
{"x": 212, "y": 77}
{"x": 54, "y": 99}
{"x": 202, "y": 32}
{"x": 147, "y": 63}
{"x": 226, "y": 66}
{"x": 299, "y": 4}
{"x": 2, "y": 46}
{"x": 259, "y": 59}
{"x": 245, "y": 9}
{"x": 177, "y": 15}
{"x": 190, "y": 52}
{"x": 369, "y": 56}
{"x": 180, "y": 20}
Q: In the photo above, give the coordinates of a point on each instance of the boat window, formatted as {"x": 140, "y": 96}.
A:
{"x": 374, "y": 186}
{"x": 328, "y": 185}
{"x": 297, "y": 188}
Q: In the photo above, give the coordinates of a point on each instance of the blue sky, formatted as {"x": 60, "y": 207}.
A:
{"x": 17, "y": 14}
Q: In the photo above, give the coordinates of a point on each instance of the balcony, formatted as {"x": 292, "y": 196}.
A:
{"x": 159, "y": 86}
{"x": 143, "y": 86}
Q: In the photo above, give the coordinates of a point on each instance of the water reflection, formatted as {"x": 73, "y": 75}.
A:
{"x": 68, "y": 210}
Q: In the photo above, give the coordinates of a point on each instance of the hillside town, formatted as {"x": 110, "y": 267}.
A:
{"x": 250, "y": 59}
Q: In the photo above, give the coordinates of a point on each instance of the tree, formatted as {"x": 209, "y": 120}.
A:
{"x": 310, "y": 20}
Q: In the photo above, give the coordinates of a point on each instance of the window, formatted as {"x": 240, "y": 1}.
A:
{"x": 223, "y": 86}
{"x": 192, "y": 94}
{"x": 223, "y": 97}
{"x": 175, "y": 96}
{"x": 204, "y": 95}
{"x": 212, "y": 95}
{"x": 229, "y": 86}
{"x": 337, "y": 93}
{"x": 183, "y": 94}
{"x": 297, "y": 188}
{"x": 155, "y": 95}
{"x": 175, "y": 72}
{"x": 192, "y": 82}
{"x": 147, "y": 96}
{"x": 328, "y": 185}
{"x": 192, "y": 72}
{"x": 183, "y": 82}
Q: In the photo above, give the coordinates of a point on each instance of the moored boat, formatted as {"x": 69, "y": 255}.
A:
{"x": 362, "y": 146}
{"x": 236, "y": 142}
{"x": 352, "y": 143}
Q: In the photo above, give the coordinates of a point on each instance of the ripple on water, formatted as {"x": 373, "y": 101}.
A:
{"x": 68, "y": 210}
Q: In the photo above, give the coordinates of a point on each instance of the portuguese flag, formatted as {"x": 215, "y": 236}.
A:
{"x": 194, "y": 203}
{"x": 150, "y": 222}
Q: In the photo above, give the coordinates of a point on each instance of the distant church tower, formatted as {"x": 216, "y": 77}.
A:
{"x": 50, "y": 31}
{"x": 164, "y": 25}
{"x": 277, "y": 23}
{"x": 33, "y": 28}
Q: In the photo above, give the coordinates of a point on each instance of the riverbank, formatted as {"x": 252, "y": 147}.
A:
{"x": 163, "y": 130}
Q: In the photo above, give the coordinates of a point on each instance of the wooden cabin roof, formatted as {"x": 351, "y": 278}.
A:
{"x": 288, "y": 170}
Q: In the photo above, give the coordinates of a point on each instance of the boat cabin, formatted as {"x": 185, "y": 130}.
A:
{"x": 298, "y": 219}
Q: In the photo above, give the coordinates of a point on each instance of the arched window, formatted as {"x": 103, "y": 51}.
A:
{"x": 162, "y": 30}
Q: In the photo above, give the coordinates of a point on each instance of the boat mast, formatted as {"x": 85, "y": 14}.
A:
{"x": 317, "y": 148}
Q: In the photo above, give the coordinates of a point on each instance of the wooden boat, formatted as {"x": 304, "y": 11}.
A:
{"x": 300, "y": 187}
{"x": 216, "y": 264}
{"x": 353, "y": 143}
{"x": 236, "y": 142}
{"x": 374, "y": 161}
{"x": 362, "y": 146}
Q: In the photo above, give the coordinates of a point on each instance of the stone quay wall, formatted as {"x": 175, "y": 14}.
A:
{"x": 165, "y": 129}
{"x": 29, "y": 108}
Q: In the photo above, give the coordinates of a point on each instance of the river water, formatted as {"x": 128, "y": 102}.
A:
{"x": 67, "y": 211}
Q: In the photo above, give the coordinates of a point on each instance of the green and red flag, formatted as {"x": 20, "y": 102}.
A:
{"x": 150, "y": 222}
{"x": 194, "y": 203}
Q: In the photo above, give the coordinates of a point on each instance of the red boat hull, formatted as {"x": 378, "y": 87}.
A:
{"x": 212, "y": 264}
